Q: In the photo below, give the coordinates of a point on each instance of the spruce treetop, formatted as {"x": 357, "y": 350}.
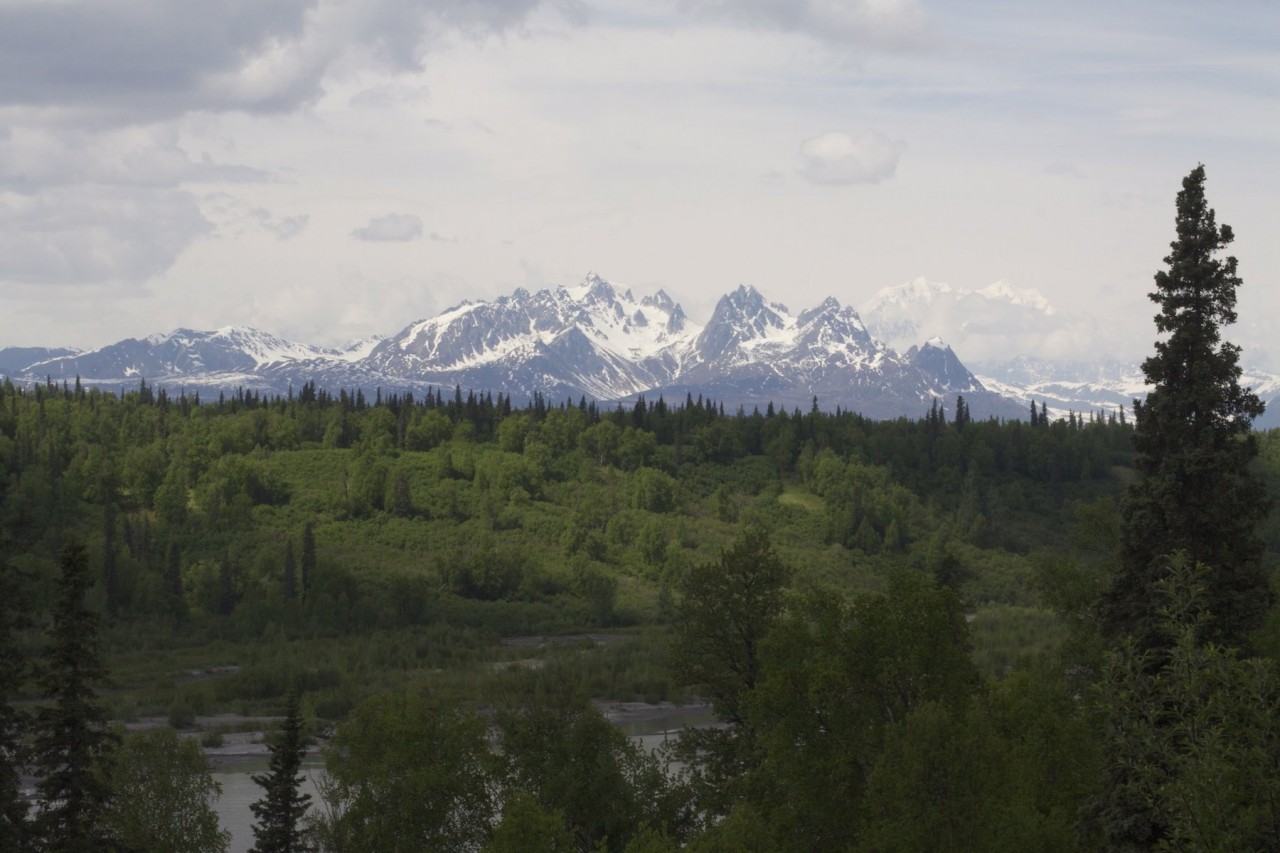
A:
{"x": 1196, "y": 492}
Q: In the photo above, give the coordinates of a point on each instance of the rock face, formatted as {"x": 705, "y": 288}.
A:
{"x": 592, "y": 340}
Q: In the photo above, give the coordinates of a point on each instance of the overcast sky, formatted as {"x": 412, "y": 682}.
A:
{"x": 329, "y": 170}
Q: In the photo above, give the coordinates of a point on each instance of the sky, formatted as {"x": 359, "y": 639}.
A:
{"x": 330, "y": 170}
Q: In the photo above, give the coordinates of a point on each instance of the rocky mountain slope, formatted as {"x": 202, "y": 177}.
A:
{"x": 592, "y": 340}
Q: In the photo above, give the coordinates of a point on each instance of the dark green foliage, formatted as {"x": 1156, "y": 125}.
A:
{"x": 308, "y": 563}
{"x": 278, "y": 815}
{"x": 14, "y": 830}
{"x": 836, "y": 678}
{"x": 1196, "y": 492}
{"x": 491, "y": 540}
{"x": 110, "y": 561}
{"x": 1003, "y": 773}
{"x": 526, "y": 826}
{"x": 289, "y": 576}
{"x": 725, "y": 610}
{"x": 1192, "y": 752}
{"x": 72, "y": 743}
{"x": 173, "y": 572}
{"x": 407, "y": 772}
{"x": 563, "y": 753}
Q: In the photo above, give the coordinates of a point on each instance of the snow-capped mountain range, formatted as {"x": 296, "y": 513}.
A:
{"x": 603, "y": 342}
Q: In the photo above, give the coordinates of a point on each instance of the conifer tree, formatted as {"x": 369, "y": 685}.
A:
{"x": 278, "y": 815}
{"x": 72, "y": 740}
{"x": 289, "y": 583}
{"x": 308, "y": 566}
{"x": 14, "y": 831}
{"x": 110, "y": 563}
{"x": 1196, "y": 492}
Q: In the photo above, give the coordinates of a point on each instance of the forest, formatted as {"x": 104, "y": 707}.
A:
{"x": 939, "y": 633}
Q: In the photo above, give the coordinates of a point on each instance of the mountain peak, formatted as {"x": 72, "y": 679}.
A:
{"x": 939, "y": 362}
{"x": 918, "y": 291}
{"x": 593, "y": 289}
{"x": 1004, "y": 292}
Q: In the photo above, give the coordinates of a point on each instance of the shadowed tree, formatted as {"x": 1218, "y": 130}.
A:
{"x": 161, "y": 793}
{"x": 1196, "y": 491}
{"x": 308, "y": 563}
{"x": 14, "y": 830}
{"x": 278, "y": 815}
{"x": 726, "y": 608}
{"x": 72, "y": 742}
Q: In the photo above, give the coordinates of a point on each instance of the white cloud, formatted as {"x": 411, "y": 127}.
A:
{"x": 32, "y": 158}
{"x": 885, "y": 24}
{"x": 392, "y": 228}
{"x": 283, "y": 227}
{"x": 95, "y": 234}
{"x": 841, "y": 158}
{"x": 124, "y": 61}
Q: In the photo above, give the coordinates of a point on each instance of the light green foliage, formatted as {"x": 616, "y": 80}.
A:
{"x": 162, "y": 796}
{"x": 428, "y": 430}
{"x": 653, "y": 491}
{"x": 406, "y": 772}
{"x": 501, "y": 473}
{"x": 512, "y": 432}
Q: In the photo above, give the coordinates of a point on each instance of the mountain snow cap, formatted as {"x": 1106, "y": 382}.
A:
{"x": 918, "y": 291}
{"x": 1005, "y": 292}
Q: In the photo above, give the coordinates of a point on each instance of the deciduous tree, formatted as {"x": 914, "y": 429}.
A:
{"x": 406, "y": 772}
{"x": 161, "y": 793}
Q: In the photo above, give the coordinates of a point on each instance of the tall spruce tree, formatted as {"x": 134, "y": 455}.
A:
{"x": 289, "y": 578}
{"x": 72, "y": 742}
{"x": 14, "y": 830}
{"x": 278, "y": 815}
{"x": 308, "y": 566}
{"x": 1196, "y": 491}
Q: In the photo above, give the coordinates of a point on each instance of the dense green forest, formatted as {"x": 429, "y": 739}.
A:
{"x": 387, "y": 548}
{"x": 937, "y": 633}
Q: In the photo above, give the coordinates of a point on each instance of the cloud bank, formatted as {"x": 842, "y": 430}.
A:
{"x": 392, "y": 228}
{"x": 841, "y": 158}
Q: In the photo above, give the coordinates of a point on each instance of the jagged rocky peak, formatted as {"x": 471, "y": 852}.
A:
{"x": 940, "y": 363}
{"x": 595, "y": 289}
{"x": 740, "y": 316}
{"x": 747, "y": 303}
{"x": 659, "y": 300}
{"x": 829, "y": 307}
